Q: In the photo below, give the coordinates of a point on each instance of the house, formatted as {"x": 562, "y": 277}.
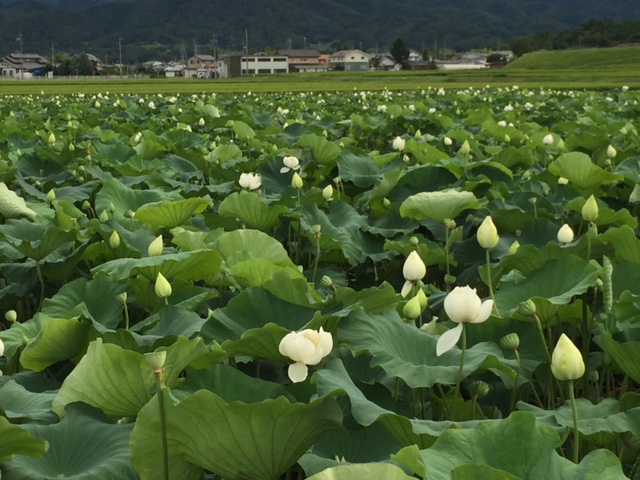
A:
{"x": 30, "y": 63}
{"x": 175, "y": 70}
{"x": 383, "y": 61}
{"x": 350, "y": 60}
{"x": 201, "y": 66}
{"x": 304, "y": 60}
{"x": 237, "y": 65}
{"x": 415, "y": 56}
{"x": 96, "y": 63}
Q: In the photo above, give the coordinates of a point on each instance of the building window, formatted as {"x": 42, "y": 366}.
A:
{"x": 264, "y": 59}
{"x": 280, "y": 70}
{"x": 264, "y": 70}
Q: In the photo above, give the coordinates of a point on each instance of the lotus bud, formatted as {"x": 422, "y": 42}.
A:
{"x": 325, "y": 281}
{"x": 566, "y": 360}
{"x": 52, "y": 138}
{"x": 514, "y": 247}
{"x": 414, "y": 241}
{"x": 1, "y": 351}
{"x": 527, "y": 308}
{"x": 450, "y": 279}
{"x": 479, "y": 389}
{"x": 114, "y": 240}
{"x": 122, "y": 297}
{"x": 162, "y": 287}
{"x": 155, "y": 247}
{"x": 398, "y": 144}
{"x": 156, "y": 359}
{"x": 560, "y": 144}
{"x": 72, "y": 147}
{"x": 296, "y": 181}
{"x": 418, "y": 134}
{"x": 112, "y": 207}
{"x": 327, "y": 193}
{"x": 465, "y": 148}
{"x": 548, "y": 139}
{"x": 11, "y": 316}
{"x": 337, "y": 180}
{"x": 447, "y": 141}
{"x": 563, "y": 181}
{"x": 86, "y": 205}
{"x": 316, "y": 229}
{"x": 510, "y": 341}
{"x": 51, "y": 195}
{"x": 104, "y": 217}
{"x": 386, "y": 202}
{"x": 592, "y": 232}
{"x": 487, "y": 234}
{"x": 507, "y": 139}
{"x": 201, "y": 122}
{"x": 565, "y": 234}
{"x": 449, "y": 223}
{"x": 423, "y": 298}
{"x": 611, "y": 152}
{"x": 590, "y": 209}
{"x": 414, "y": 268}
{"x": 412, "y": 308}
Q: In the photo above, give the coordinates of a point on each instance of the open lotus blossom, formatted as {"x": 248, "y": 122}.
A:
{"x": 462, "y": 305}
{"x": 290, "y": 163}
{"x": 566, "y": 360}
{"x": 306, "y": 347}
{"x": 250, "y": 181}
{"x": 413, "y": 271}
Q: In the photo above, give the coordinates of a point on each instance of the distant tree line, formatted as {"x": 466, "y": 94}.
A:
{"x": 595, "y": 33}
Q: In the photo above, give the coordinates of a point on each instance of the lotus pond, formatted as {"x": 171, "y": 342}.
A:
{"x": 379, "y": 285}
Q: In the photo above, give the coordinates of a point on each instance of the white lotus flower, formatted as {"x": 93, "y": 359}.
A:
{"x": 548, "y": 139}
{"x": 462, "y": 305}
{"x": 566, "y": 360}
{"x": 611, "y": 151}
{"x": 487, "y": 234}
{"x": 307, "y": 347}
{"x": 447, "y": 141}
{"x": 156, "y": 246}
{"x": 398, "y": 144}
{"x": 162, "y": 287}
{"x": 413, "y": 271}
{"x": 290, "y": 163}
{"x": 327, "y": 193}
{"x": 565, "y": 234}
{"x": 250, "y": 181}
{"x": 502, "y": 123}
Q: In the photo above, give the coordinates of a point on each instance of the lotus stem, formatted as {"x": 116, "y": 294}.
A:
{"x": 459, "y": 380}
{"x": 317, "y": 260}
{"x": 489, "y": 283}
{"x": 576, "y": 433}
{"x": 163, "y": 425}
{"x": 126, "y": 315}
{"x": 512, "y": 403}
{"x": 41, "y": 279}
{"x": 446, "y": 249}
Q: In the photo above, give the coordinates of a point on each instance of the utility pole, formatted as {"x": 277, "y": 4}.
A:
{"x": 246, "y": 50}
{"x": 195, "y": 47}
{"x": 53, "y": 62}
{"x": 120, "y": 51}
{"x": 19, "y": 40}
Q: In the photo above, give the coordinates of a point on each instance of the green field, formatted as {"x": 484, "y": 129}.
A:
{"x": 599, "y": 69}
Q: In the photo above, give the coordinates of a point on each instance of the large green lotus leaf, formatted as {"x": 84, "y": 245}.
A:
{"x": 176, "y": 321}
{"x": 365, "y": 445}
{"x": 582, "y": 173}
{"x": 359, "y": 170}
{"x": 108, "y": 377}
{"x": 626, "y": 355}
{"x": 35, "y": 240}
{"x": 528, "y": 258}
{"x": 250, "y": 210}
{"x": 59, "y": 339}
{"x": 324, "y": 151}
{"x": 242, "y": 130}
{"x": 21, "y": 405}
{"x": 125, "y": 199}
{"x": 473, "y": 471}
{"x": 424, "y": 152}
{"x": 170, "y": 214}
{"x": 256, "y": 271}
{"x": 606, "y": 416}
{"x": 557, "y": 281}
{"x": 406, "y": 352}
{"x": 625, "y": 242}
{"x": 231, "y": 385}
{"x": 420, "y": 179}
{"x": 120, "y": 381}
{"x": 438, "y": 206}
{"x": 258, "y": 244}
{"x": 373, "y": 299}
{"x": 95, "y": 299}
{"x": 193, "y": 266}
{"x": 85, "y": 445}
{"x": 20, "y": 334}
{"x": 292, "y": 289}
{"x": 18, "y": 441}
{"x": 367, "y": 470}
{"x": 225, "y": 153}
{"x": 237, "y": 440}
{"x": 254, "y": 308}
{"x": 532, "y": 459}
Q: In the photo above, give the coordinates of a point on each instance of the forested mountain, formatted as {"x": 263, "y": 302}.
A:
{"x": 167, "y": 29}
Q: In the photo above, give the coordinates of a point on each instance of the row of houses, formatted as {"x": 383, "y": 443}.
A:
{"x": 19, "y": 65}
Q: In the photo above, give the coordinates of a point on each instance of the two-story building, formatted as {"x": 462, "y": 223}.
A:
{"x": 201, "y": 66}
{"x": 241, "y": 65}
{"x": 15, "y": 64}
{"x": 304, "y": 60}
{"x": 350, "y": 60}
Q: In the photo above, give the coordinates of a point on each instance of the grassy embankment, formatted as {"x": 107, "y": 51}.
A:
{"x": 568, "y": 69}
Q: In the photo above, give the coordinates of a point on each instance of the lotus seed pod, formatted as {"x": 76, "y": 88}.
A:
{"x": 479, "y": 389}
{"x": 11, "y": 316}
{"x": 122, "y": 297}
{"x": 510, "y": 341}
{"x": 156, "y": 359}
{"x": 414, "y": 241}
{"x": 325, "y": 281}
{"x": 590, "y": 209}
{"x": 527, "y": 308}
{"x": 114, "y": 240}
{"x": 316, "y": 228}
